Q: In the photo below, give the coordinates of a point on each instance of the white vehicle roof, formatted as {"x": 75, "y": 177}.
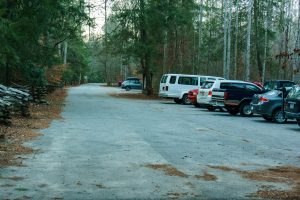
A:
{"x": 193, "y": 75}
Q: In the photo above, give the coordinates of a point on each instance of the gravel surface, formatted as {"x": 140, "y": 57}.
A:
{"x": 121, "y": 148}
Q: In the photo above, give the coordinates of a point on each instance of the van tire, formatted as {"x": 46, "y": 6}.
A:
{"x": 186, "y": 100}
{"x": 298, "y": 121}
{"x": 178, "y": 101}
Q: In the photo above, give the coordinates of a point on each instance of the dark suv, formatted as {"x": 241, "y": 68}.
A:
{"x": 238, "y": 95}
{"x": 292, "y": 104}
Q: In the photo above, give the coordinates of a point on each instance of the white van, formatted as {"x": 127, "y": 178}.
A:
{"x": 177, "y": 86}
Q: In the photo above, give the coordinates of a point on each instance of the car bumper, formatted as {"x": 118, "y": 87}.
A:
{"x": 260, "y": 110}
{"x": 290, "y": 115}
{"x": 217, "y": 104}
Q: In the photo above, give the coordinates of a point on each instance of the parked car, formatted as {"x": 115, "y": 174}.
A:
{"x": 132, "y": 84}
{"x": 205, "y": 93}
{"x": 292, "y": 104}
{"x": 236, "y": 96}
{"x": 278, "y": 84}
{"x": 192, "y": 95}
{"x": 270, "y": 105}
{"x": 177, "y": 86}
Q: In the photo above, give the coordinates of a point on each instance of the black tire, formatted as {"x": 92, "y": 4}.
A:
{"x": 267, "y": 118}
{"x": 298, "y": 121}
{"x": 245, "y": 109}
{"x": 211, "y": 108}
{"x": 278, "y": 116}
{"x": 233, "y": 111}
{"x": 127, "y": 88}
{"x": 186, "y": 100}
{"x": 196, "y": 105}
{"x": 178, "y": 101}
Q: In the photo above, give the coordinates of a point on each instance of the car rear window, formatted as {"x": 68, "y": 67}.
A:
{"x": 294, "y": 93}
{"x": 164, "y": 79}
{"x": 184, "y": 80}
{"x": 207, "y": 85}
{"x": 173, "y": 80}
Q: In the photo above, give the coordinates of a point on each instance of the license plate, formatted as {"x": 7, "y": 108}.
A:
{"x": 292, "y": 106}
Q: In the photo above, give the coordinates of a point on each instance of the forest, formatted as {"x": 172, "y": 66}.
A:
{"x": 252, "y": 40}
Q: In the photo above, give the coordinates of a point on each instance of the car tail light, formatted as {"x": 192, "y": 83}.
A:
{"x": 262, "y": 99}
{"x": 210, "y": 93}
{"x": 167, "y": 88}
{"x": 226, "y": 95}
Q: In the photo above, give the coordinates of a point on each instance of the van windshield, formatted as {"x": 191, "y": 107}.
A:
{"x": 164, "y": 79}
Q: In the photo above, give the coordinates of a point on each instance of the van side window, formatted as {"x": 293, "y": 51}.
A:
{"x": 164, "y": 79}
{"x": 173, "y": 80}
{"x": 188, "y": 80}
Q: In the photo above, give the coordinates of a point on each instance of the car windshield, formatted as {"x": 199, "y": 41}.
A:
{"x": 294, "y": 93}
{"x": 207, "y": 85}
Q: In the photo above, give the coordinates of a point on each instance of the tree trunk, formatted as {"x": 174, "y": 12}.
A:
{"x": 225, "y": 39}
{"x": 266, "y": 41}
{"x": 248, "y": 44}
{"x": 257, "y": 39}
{"x": 229, "y": 41}
{"x": 236, "y": 40}
{"x": 297, "y": 47}
{"x": 200, "y": 18}
{"x": 146, "y": 54}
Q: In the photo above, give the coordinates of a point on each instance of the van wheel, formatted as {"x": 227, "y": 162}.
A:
{"x": 178, "y": 101}
{"x": 211, "y": 108}
{"x": 186, "y": 100}
{"x": 298, "y": 121}
{"x": 245, "y": 109}
{"x": 278, "y": 116}
{"x": 233, "y": 111}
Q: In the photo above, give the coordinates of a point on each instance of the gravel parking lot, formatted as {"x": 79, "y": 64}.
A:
{"x": 118, "y": 148}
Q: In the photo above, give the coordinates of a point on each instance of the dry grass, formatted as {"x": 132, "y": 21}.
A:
{"x": 283, "y": 174}
{"x": 25, "y": 129}
{"x": 207, "y": 177}
{"x": 167, "y": 169}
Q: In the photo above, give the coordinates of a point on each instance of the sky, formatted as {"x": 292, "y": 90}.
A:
{"x": 97, "y": 12}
